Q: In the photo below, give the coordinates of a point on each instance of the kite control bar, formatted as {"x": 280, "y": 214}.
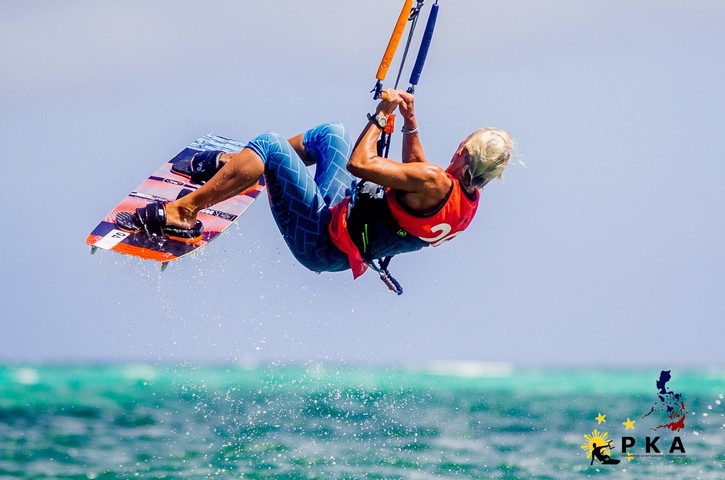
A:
{"x": 383, "y": 145}
{"x": 390, "y": 50}
{"x": 395, "y": 41}
{"x": 384, "y": 141}
{"x": 423, "y": 50}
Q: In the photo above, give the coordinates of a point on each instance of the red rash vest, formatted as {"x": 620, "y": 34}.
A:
{"x": 451, "y": 218}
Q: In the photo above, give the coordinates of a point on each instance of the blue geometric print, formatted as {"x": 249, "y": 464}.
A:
{"x": 214, "y": 142}
{"x": 300, "y": 202}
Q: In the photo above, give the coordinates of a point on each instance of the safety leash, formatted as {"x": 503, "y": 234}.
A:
{"x": 385, "y": 276}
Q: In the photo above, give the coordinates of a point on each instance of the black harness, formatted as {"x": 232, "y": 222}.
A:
{"x": 376, "y": 233}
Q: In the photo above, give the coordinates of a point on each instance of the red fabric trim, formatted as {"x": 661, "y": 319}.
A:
{"x": 342, "y": 240}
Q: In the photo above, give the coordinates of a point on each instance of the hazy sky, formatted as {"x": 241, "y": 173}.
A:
{"x": 606, "y": 249}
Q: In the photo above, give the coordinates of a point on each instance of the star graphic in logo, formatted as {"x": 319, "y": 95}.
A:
{"x": 601, "y": 419}
{"x": 629, "y": 424}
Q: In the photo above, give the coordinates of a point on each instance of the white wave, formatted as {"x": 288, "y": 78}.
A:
{"x": 469, "y": 368}
{"x": 26, "y": 376}
{"x": 140, "y": 372}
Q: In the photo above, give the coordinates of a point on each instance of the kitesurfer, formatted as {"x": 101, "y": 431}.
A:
{"x": 358, "y": 206}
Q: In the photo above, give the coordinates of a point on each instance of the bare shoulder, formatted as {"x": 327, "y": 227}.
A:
{"x": 435, "y": 177}
{"x": 435, "y": 185}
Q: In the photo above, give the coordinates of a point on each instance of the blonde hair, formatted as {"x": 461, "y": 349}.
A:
{"x": 488, "y": 151}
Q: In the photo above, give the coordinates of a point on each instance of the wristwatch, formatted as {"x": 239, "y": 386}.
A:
{"x": 379, "y": 119}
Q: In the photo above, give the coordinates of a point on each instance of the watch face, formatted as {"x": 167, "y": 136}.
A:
{"x": 381, "y": 119}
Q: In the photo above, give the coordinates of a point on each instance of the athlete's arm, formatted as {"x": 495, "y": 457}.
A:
{"x": 418, "y": 178}
{"x": 412, "y": 148}
{"x": 366, "y": 164}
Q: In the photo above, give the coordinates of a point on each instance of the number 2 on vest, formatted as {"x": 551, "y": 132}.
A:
{"x": 444, "y": 234}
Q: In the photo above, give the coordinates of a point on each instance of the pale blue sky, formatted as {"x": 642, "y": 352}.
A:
{"x": 606, "y": 249}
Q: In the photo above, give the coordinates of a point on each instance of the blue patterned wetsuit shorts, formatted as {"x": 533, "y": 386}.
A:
{"x": 300, "y": 201}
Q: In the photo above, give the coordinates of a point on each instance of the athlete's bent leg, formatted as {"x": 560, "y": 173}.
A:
{"x": 299, "y": 209}
{"x": 240, "y": 171}
{"x": 329, "y": 145}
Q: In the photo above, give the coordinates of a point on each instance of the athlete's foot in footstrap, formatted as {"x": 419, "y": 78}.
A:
{"x": 152, "y": 220}
{"x": 200, "y": 168}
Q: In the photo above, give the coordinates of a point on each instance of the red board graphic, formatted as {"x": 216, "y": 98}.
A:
{"x": 166, "y": 185}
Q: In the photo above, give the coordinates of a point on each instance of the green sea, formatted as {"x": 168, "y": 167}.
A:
{"x": 318, "y": 421}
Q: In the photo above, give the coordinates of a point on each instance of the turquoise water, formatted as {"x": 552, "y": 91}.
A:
{"x": 456, "y": 420}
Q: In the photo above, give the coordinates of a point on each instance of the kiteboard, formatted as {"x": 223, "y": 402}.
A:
{"x": 165, "y": 184}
